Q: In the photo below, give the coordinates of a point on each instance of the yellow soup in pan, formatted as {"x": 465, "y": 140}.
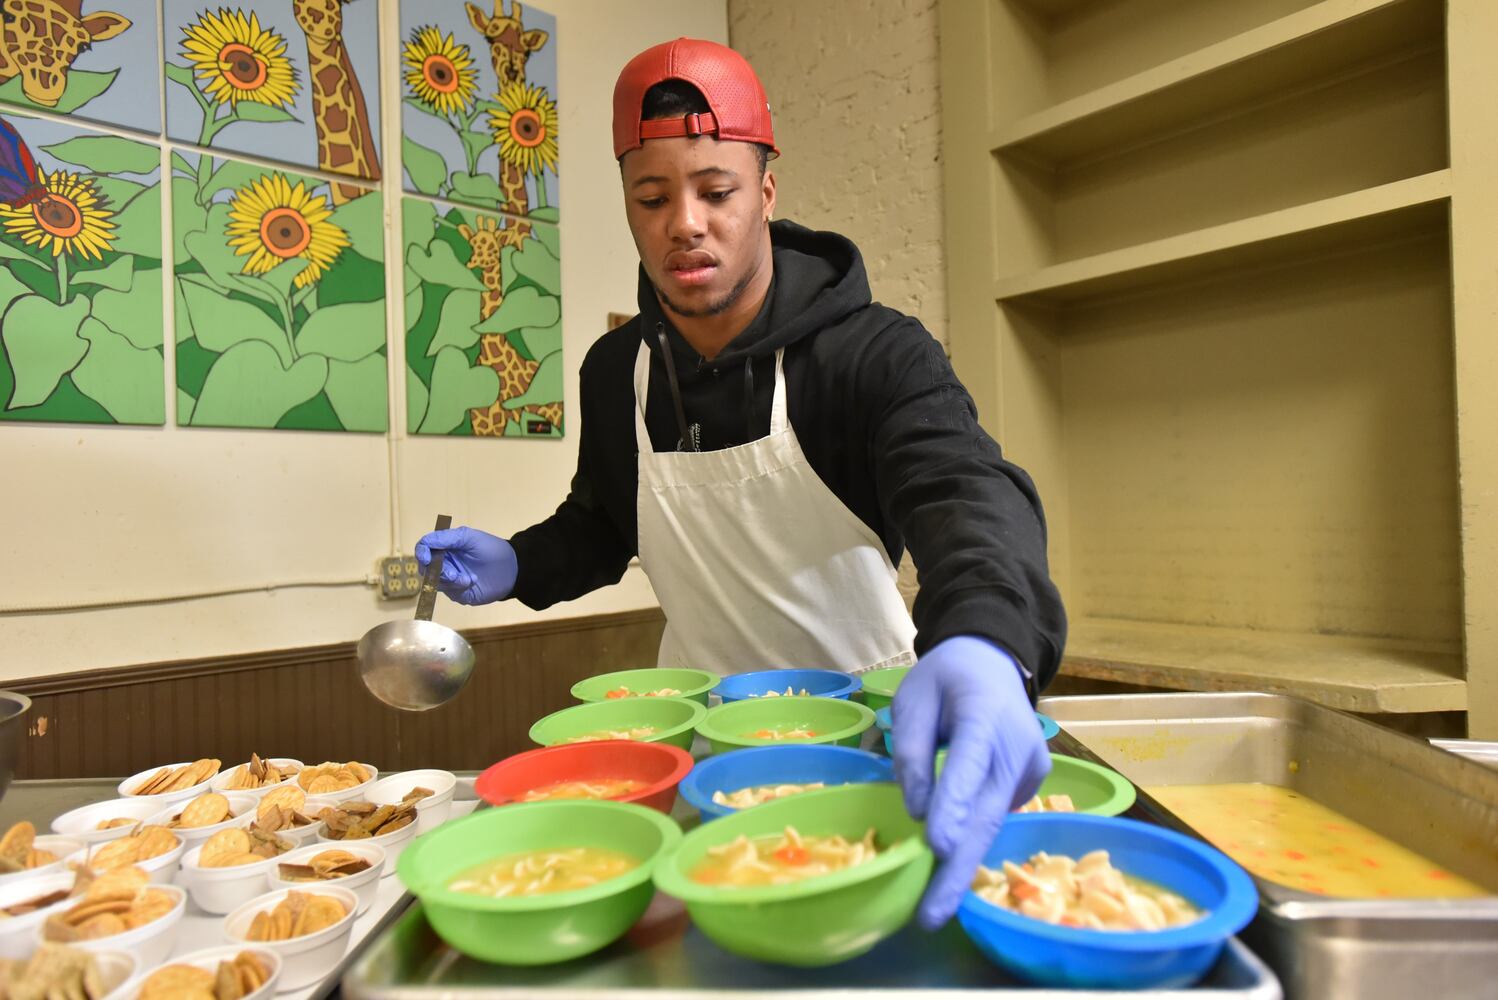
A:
{"x": 1285, "y": 837}
{"x": 540, "y": 873}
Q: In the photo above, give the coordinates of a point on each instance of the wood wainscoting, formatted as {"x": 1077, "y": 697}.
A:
{"x": 310, "y": 704}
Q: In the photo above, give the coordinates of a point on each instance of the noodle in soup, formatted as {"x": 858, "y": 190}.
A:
{"x": 636, "y": 733}
{"x": 1088, "y": 893}
{"x": 541, "y": 873}
{"x": 597, "y": 788}
{"x": 781, "y": 858}
{"x": 794, "y": 733}
{"x": 760, "y": 794}
{"x": 624, "y": 692}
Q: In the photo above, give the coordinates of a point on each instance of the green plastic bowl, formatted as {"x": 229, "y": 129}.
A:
{"x": 1093, "y": 789}
{"x": 818, "y": 921}
{"x": 879, "y": 686}
{"x": 537, "y": 930}
{"x": 694, "y": 685}
{"x": 673, "y": 718}
{"x": 728, "y": 726}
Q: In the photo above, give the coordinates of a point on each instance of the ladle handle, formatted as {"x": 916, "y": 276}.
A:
{"x": 427, "y": 602}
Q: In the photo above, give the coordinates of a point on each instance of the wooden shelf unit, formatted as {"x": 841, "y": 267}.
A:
{"x": 1217, "y": 280}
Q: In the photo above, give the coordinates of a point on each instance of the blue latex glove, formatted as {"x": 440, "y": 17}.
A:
{"x": 477, "y": 567}
{"x": 969, "y": 694}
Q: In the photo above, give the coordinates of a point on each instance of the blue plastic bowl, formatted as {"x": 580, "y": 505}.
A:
{"x": 791, "y": 764}
{"x": 1068, "y": 956}
{"x": 817, "y": 683}
{"x": 886, "y": 723}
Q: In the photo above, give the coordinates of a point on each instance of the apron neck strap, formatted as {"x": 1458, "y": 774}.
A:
{"x": 779, "y": 419}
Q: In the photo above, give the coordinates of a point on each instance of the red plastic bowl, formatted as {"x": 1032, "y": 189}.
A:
{"x": 660, "y": 765}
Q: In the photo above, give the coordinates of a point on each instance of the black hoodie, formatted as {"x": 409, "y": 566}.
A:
{"x": 882, "y": 419}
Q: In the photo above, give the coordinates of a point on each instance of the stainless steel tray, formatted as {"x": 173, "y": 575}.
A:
{"x": 665, "y": 958}
{"x": 1440, "y": 804}
{"x": 1483, "y": 751}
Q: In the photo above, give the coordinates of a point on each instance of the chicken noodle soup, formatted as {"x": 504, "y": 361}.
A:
{"x": 1088, "y": 893}
{"x": 1048, "y": 803}
{"x": 794, "y": 733}
{"x": 787, "y": 693}
{"x": 595, "y": 788}
{"x": 540, "y": 873}
{"x": 1281, "y": 835}
{"x": 636, "y": 733}
{"x": 624, "y": 692}
{"x": 781, "y": 858}
{"x": 760, "y": 794}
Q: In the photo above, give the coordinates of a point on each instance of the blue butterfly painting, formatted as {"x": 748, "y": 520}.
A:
{"x": 20, "y": 183}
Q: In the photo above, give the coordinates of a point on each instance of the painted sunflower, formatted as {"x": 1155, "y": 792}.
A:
{"x": 525, "y": 127}
{"x": 72, "y": 218}
{"x": 272, "y": 222}
{"x": 439, "y": 71}
{"x": 237, "y": 60}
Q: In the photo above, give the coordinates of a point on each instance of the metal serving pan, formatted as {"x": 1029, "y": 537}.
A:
{"x": 665, "y": 958}
{"x": 1483, "y": 751}
{"x": 1437, "y": 803}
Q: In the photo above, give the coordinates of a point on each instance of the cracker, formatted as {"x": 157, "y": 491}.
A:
{"x": 205, "y": 810}
{"x": 284, "y": 797}
{"x": 222, "y": 845}
{"x": 18, "y": 840}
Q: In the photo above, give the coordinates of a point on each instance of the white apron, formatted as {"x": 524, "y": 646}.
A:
{"x": 757, "y": 564}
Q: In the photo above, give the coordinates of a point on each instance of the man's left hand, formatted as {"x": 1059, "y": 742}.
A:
{"x": 967, "y": 692}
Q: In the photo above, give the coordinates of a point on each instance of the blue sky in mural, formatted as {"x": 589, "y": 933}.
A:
{"x": 451, "y": 17}
{"x": 131, "y": 99}
{"x": 292, "y": 142}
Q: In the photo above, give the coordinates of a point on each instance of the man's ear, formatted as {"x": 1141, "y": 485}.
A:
{"x": 767, "y": 192}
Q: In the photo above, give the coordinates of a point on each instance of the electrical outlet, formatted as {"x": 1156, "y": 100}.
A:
{"x": 399, "y": 578}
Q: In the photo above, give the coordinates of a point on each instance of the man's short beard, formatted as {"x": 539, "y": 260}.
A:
{"x": 712, "y": 308}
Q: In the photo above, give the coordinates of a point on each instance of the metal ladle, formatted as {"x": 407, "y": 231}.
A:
{"x": 416, "y": 665}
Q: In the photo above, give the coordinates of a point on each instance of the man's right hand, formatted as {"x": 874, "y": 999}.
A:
{"x": 477, "y": 567}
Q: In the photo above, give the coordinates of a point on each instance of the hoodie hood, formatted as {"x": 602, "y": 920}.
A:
{"x": 819, "y": 280}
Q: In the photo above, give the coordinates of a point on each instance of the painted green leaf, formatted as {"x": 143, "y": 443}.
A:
{"x": 120, "y": 377}
{"x": 357, "y": 391}
{"x": 12, "y": 288}
{"x": 539, "y": 342}
{"x": 220, "y": 265}
{"x": 548, "y": 213}
{"x": 220, "y": 323}
{"x": 546, "y": 387}
{"x": 418, "y": 220}
{"x": 439, "y": 266}
{"x": 416, "y": 400}
{"x": 347, "y": 332}
{"x": 185, "y": 404}
{"x": 535, "y": 262}
{"x": 179, "y": 74}
{"x": 460, "y": 314}
{"x": 118, "y": 192}
{"x": 10, "y": 251}
{"x": 83, "y": 86}
{"x": 41, "y": 339}
{"x": 415, "y": 299}
{"x": 523, "y": 307}
{"x": 279, "y": 277}
{"x": 248, "y": 387}
{"x": 364, "y": 221}
{"x": 479, "y": 188}
{"x": 233, "y": 174}
{"x": 136, "y": 317}
{"x": 179, "y": 303}
{"x": 456, "y": 389}
{"x": 425, "y": 108}
{"x": 138, "y": 226}
{"x": 425, "y": 167}
{"x": 180, "y": 163}
{"x": 187, "y": 216}
{"x": 107, "y": 154}
{"x": 118, "y": 274}
{"x": 251, "y": 111}
{"x": 550, "y": 237}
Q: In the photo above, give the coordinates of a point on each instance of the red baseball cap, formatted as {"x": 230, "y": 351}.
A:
{"x": 740, "y": 110}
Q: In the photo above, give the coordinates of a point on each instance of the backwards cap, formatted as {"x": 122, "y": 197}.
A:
{"x": 740, "y": 112}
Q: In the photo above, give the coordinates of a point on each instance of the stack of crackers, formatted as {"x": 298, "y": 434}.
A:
{"x": 324, "y": 867}
{"x": 118, "y": 901}
{"x": 139, "y": 845}
{"x": 330, "y": 777}
{"x": 234, "y": 847}
{"x": 18, "y": 850}
{"x": 54, "y": 971}
{"x": 363, "y": 820}
{"x": 174, "y": 780}
{"x": 258, "y": 773}
{"x": 299, "y": 914}
{"x": 281, "y": 809}
{"x": 233, "y": 980}
{"x": 208, "y": 809}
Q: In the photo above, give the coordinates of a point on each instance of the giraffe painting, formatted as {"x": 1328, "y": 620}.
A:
{"x": 39, "y": 39}
{"x": 487, "y": 239}
{"x": 510, "y": 46}
{"x": 345, "y": 141}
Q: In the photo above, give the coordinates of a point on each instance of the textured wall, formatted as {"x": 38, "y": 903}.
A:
{"x": 855, "y": 98}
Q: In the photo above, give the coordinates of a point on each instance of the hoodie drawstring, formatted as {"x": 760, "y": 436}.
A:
{"x": 749, "y": 399}
{"x": 688, "y": 441}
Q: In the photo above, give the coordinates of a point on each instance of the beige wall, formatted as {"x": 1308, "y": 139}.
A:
{"x": 854, "y": 96}
{"x": 287, "y": 526}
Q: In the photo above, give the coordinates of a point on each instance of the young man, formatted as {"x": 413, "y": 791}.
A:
{"x": 768, "y": 439}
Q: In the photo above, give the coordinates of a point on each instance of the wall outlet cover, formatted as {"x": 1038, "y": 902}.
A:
{"x": 400, "y": 578}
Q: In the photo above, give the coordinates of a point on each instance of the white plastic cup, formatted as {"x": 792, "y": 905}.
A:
{"x": 150, "y": 944}
{"x": 365, "y": 884}
{"x": 307, "y": 959}
{"x": 432, "y": 811}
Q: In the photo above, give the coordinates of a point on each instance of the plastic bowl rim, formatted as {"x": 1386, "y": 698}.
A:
{"x": 1124, "y": 793}
{"x": 711, "y": 732}
{"x": 852, "y": 683}
{"x": 674, "y": 882}
{"x": 879, "y": 689}
{"x": 1240, "y": 900}
{"x": 670, "y": 832}
{"x": 682, "y": 767}
{"x": 699, "y": 713}
{"x": 712, "y": 681}
{"x": 690, "y": 792}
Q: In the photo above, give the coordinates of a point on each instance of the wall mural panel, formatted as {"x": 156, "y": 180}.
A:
{"x": 479, "y": 89}
{"x": 100, "y": 63}
{"x": 280, "y": 300}
{"x": 483, "y": 312}
{"x": 292, "y": 80}
{"x": 81, "y": 285}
